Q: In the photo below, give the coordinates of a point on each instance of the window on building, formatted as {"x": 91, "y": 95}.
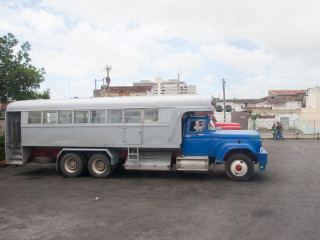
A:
{"x": 150, "y": 115}
{"x": 97, "y": 116}
{"x": 81, "y": 116}
{"x": 65, "y": 117}
{"x": 114, "y": 116}
{"x": 132, "y": 116}
{"x": 34, "y": 117}
{"x": 49, "y": 117}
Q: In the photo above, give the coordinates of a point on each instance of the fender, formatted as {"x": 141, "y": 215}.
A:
{"x": 233, "y": 146}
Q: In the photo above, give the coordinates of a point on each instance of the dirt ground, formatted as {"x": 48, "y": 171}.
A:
{"x": 281, "y": 203}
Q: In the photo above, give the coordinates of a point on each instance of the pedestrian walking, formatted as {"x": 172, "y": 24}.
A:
{"x": 274, "y": 129}
{"x": 279, "y": 131}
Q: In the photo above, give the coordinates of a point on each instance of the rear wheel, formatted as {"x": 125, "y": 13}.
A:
{"x": 239, "y": 167}
{"x": 99, "y": 165}
{"x": 71, "y": 165}
{"x": 85, "y": 162}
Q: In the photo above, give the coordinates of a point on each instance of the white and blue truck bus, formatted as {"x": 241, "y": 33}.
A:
{"x": 152, "y": 133}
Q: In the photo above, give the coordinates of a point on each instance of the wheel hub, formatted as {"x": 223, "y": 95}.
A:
{"x": 239, "y": 168}
{"x": 100, "y": 165}
{"x": 72, "y": 165}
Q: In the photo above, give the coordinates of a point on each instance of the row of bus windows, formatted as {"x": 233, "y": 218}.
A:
{"x": 94, "y": 116}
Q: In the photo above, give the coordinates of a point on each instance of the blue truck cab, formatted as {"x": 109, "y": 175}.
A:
{"x": 239, "y": 150}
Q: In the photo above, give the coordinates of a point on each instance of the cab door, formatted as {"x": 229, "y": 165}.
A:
{"x": 196, "y": 142}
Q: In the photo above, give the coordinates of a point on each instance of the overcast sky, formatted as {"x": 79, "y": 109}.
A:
{"x": 254, "y": 45}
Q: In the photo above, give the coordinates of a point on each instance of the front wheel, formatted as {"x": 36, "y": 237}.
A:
{"x": 239, "y": 167}
{"x": 99, "y": 165}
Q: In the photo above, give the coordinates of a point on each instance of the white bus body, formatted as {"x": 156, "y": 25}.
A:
{"x": 104, "y": 125}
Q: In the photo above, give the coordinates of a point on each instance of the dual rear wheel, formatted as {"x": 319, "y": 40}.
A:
{"x": 75, "y": 164}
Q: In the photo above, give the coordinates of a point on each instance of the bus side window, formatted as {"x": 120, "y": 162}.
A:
{"x": 97, "y": 116}
{"x": 114, "y": 116}
{"x": 34, "y": 117}
{"x": 49, "y": 117}
{"x": 65, "y": 116}
{"x": 132, "y": 116}
{"x": 150, "y": 115}
{"x": 81, "y": 116}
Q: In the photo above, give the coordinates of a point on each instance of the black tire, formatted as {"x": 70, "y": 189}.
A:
{"x": 85, "y": 162}
{"x": 99, "y": 165}
{"x": 239, "y": 167}
{"x": 71, "y": 165}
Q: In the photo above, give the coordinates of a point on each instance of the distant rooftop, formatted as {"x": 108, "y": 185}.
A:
{"x": 130, "y": 89}
{"x": 287, "y": 92}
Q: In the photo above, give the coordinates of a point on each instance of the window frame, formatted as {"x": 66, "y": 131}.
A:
{"x": 29, "y": 118}
{"x": 132, "y": 110}
{"x": 109, "y": 116}
{"x": 75, "y": 112}
{"x": 151, "y": 109}
{"x": 193, "y": 124}
{"x": 72, "y": 115}
{"x": 44, "y": 116}
{"x": 97, "y": 122}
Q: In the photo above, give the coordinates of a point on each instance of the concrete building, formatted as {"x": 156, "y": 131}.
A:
{"x": 286, "y": 99}
{"x": 310, "y": 115}
{"x": 281, "y": 106}
{"x": 237, "y": 109}
{"x": 119, "y": 91}
{"x": 238, "y": 105}
{"x": 167, "y": 87}
{"x": 147, "y": 87}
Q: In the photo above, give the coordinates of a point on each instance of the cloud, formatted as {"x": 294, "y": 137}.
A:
{"x": 242, "y": 60}
{"x": 202, "y": 40}
{"x": 174, "y": 62}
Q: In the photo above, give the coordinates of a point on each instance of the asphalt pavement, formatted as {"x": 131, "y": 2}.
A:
{"x": 281, "y": 203}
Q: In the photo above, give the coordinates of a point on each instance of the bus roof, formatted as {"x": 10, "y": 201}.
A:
{"x": 184, "y": 101}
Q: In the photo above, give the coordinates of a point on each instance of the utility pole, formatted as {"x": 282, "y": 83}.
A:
{"x": 108, "y": 68}
{"x": 224, "y": 99}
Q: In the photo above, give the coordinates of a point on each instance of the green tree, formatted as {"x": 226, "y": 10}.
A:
{"x": 19, "y": 79}
{"x": 254, "y": 118}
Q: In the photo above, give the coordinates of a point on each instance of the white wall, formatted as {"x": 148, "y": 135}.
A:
{"x": 313, "y": 98}
{"x": 288, "y": 105}
{"x": 266, "y": 123}
{"x": 219, "y": 116}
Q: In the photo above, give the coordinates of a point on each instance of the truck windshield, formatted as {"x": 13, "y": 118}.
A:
{"x": 211, "y": 126}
